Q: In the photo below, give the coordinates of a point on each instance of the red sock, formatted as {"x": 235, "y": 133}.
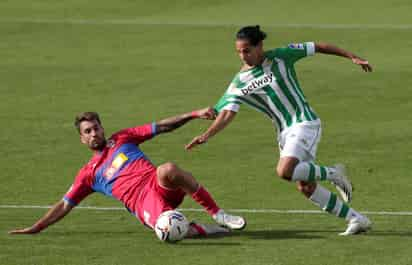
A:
{"x": 203, "y": 197}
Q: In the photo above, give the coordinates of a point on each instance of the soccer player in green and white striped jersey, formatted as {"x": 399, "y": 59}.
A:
{"x": 268, "y": 83}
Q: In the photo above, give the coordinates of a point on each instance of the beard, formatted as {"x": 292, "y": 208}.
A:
{"x": 97, "y": 144}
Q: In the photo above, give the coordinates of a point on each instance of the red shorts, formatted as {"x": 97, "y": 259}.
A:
{"x": 155, "y": 199}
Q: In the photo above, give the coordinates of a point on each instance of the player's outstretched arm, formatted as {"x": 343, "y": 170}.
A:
{"x": 172, "y": 123}
{"x": 57, "y": 212}
{"x": 326, "y": 48}
{"x": 222, "y": 120}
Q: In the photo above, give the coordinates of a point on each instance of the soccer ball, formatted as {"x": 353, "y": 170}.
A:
{"x": 171, "y": 226}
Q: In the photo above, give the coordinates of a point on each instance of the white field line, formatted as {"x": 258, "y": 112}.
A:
{"x": 275, "y": 211}
{"x": 200, "y": 24}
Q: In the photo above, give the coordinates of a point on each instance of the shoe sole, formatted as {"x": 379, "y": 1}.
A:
{"x": 343, "y": 194}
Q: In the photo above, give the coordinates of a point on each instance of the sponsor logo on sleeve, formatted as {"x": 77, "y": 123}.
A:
{"x": 296, "y": 46}
{"x": 111, "y": 143}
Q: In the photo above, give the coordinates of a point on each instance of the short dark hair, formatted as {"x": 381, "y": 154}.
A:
{"x": 251, "y": 33}
{"x": 86, "y": 116}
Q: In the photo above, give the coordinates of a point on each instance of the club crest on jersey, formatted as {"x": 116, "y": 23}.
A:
{"x": 111, "y": 143}
{"x": 117, "y": 163}
{"x": 296, "y": 46}
{"x": 258, "y": 83}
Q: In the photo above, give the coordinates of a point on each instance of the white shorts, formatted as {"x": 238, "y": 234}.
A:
{"x": 300, "y": 140}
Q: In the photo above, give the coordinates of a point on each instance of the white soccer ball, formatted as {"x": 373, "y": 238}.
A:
{"x": 171, "y": 226}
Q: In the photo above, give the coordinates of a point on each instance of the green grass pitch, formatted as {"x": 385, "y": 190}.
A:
{"x": 139, "y": 61}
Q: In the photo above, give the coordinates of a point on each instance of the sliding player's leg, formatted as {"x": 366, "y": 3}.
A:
{"x": 171, "y": 177}
{"x": 156, "y": 199}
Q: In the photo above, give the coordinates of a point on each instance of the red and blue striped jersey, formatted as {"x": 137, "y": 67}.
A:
{"x": 120, "y": 170}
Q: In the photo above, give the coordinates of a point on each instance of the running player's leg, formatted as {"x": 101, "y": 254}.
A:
{"x": 170, "y": 176}
{"x": 298, "y": 151}
{"x": 329, "y": 202}
{"x": 325, "y": 199}
{"x": 292, "y": 169}
{"x": 293, "y": 157}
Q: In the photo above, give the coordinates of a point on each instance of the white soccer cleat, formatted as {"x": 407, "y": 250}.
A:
{"x": 342, "y": 184}
{"x": 357, "y": 225}
{"x": 229, "y": 221}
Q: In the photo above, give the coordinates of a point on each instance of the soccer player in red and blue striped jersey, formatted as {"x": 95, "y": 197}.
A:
{"x": 119, "y": 169}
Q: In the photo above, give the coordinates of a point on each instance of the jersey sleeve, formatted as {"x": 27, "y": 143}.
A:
{"x": 137, "y": 134}
{"x": 230, "y": 100}
{"x": 227, "y": 102}
{"x": 80, "y": 189}
{"x": 294, "y": 51}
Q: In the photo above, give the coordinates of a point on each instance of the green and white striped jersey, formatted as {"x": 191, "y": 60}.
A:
{"x": 272, "y": 87}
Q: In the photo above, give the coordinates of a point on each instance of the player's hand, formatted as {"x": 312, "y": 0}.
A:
{"x": 206, "y": 113}
{"x": 363, "y": 63}
{"x": 196, "y": 141}
{"x": 24, "y": 231}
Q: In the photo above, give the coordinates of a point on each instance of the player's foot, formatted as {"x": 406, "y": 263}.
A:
{"x": 342, "y": 184}
{"x": 357, "y": 225}
{"x": 197, "y": 229}
{"x": 229, "y": 221}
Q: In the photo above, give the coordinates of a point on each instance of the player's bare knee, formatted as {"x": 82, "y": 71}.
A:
{"x": 172, "y": 173}
{"x": 161, "y": 176}
{"x": 169, "y": 168}
{"x": 284, "y": 173}
{"x": 164, "y": 171}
